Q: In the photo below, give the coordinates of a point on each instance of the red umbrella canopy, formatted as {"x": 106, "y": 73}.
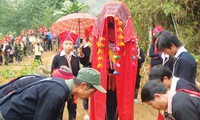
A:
{"x": 76, "y": 22}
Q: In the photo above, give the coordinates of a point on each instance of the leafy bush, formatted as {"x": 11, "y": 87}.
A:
{"x": 7, "y": 72}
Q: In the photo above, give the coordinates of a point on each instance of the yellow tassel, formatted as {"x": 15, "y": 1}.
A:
{"x": 120, "y": 37}
{"x": 100, "y": 45}
{"x": 101, "y": 38}
{"x": 119, "y": 30}
{"x": 121, "y": 44}
{"x": 99, "y": 58}
{"x": 99, "y": 65}
{"x": 120, "y": 23}
{"x": 99, "y": 52}
{"x": 116, "y": 19}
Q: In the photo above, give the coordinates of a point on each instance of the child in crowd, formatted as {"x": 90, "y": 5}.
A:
{"x": 38, "y": 52}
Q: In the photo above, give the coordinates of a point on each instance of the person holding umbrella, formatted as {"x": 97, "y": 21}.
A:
{"x": 85, "y": 51}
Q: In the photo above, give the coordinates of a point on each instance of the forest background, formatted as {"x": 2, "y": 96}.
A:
{"x": 179, "y": 16}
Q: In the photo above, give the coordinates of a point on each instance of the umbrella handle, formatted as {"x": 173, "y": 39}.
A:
{"x": 79, "y": 26}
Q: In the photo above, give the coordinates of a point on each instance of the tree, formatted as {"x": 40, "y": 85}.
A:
{"x": 71, "y": 7}
{"x": 5, "y": 13}
{"x": 180, "y": 17}
{"x": 20, "y": 15}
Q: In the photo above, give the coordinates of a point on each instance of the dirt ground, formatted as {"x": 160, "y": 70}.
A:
{"x": 141, "y": 111}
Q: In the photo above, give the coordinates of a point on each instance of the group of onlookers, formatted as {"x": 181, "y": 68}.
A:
{"x": 15, "y": 48}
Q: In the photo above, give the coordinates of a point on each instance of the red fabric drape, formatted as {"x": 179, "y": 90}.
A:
{"x": 125, "y": 81}
{"x": 98, "y": 100}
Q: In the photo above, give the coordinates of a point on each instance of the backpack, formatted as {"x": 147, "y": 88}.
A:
{"x": 18, "y": 83}
{"x": 21, "y": 89}
{"x": 190, "y": 92}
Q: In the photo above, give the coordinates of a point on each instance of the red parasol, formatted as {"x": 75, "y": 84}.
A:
{"x": 76, "y": 22}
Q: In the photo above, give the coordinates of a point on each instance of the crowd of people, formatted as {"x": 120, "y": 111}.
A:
{"x": 30, "y": 43}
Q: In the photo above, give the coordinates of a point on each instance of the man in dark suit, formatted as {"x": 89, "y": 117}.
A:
{"x": 185, "y": 65}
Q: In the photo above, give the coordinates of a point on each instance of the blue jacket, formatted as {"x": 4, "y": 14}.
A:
{"x": 156, "y": 58}
{"x": 185, "y": 67}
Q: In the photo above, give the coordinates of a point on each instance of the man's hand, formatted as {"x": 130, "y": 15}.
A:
{"x": 81, "y": 54}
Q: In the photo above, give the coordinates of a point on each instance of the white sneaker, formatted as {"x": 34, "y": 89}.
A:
{"x": 136, "y": 101}
{"x": 86, "y": 117}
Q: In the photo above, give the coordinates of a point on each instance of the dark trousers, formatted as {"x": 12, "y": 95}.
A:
{"x": 71, "y": 106}
{"x": 11, "y": 58}
{"x": 111, "y": 105}
{"x": 25, "y": 50}
{"x": 49, "y": 45}
{"x": 1, "y": 59}
{"x": 7, "y": 58}
{"x": 20, "y": 56}
{"x": 85, "y": 104}
{"x": 38, "y": 58}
